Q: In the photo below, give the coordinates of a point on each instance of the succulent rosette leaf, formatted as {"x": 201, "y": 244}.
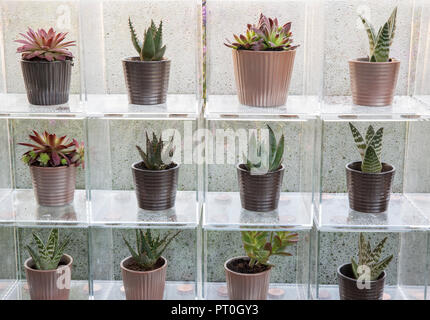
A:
{"x": 44, "y": 45}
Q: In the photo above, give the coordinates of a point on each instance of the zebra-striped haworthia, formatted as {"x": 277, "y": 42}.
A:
{"x": 369, "y": 149}
{"x": 379, "y": 43}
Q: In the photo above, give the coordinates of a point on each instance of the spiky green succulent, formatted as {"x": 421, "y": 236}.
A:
{"x": 152, "y": 48}
{"x": 47, "y": 257}
{"x": 370, "y": 148}
{"x": 379, "y": 43}
{"x": 262, "y": 158}
{"x": 261, "y": 245}
{"x": 158, "y": 156}
{"x": 148, "y": 248}
{"x": 370, "y": 259}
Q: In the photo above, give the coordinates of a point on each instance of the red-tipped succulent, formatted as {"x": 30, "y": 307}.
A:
{"x": 44, "y": 45}
{"x": 52, "y": 151}
{"x": 266, "y": 36}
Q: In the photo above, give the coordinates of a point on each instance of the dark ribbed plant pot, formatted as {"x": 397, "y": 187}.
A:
{"x": 53, "y": 186}
{"x": 348, "y": 289}
{"x": 143, "y": 285}
{"x": 49, "y": 284}
{"x": 147, "y": 81}
{"x": 373, "y": 83}
{"x": 259, "y": 192}
{"x": 47, "y": 83}
{"x": 246, "y": 286}
{"x": 369, "y": 192}
{"x": 155, "y": 189}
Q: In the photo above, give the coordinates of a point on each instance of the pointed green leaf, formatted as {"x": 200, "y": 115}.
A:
{"x": 382, "y": 47}
{"x": 371, "y": 163}
{"x": 358, "y": 139}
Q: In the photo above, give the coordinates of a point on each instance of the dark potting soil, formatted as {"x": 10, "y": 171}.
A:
{"x": 132, "y": 265}
{"x": 142, "y": 166}
{"x": 242, "y": 266}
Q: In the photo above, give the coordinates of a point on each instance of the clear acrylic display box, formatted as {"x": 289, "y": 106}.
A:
{"x": 8, "y": 264}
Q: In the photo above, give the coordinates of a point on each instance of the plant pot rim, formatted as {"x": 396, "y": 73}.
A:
{"x": 348, "y": 167}
{"x": 265, "y": 51}
{"x": 133, "y": 166}
{"x": 132, "y": 59}
{"x": 53, "y": 168}
{"x": 42, "y": 61}
{"x": 142, "y": 272}
{"x": 243, "y": 274}
{"x": 282, "y": 168}
{"x": 366, "y": 61}
{"x": 384, "y": 274}
{"x": 26, "y": 264}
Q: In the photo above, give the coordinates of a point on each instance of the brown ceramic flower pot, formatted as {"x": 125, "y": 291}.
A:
{"x": 147, "y": 81}
{"x": 349, "y": 290}
{"x": 47, "y": 83}
{"x": 246, "y": 286}
{"x": 49, "y": 284}
{"x": 155, "y": 189}
{"x": 263, "y": 77}
{"x": 54, "y": 186}
{"x": 369, "y": 192}
{"x": 259, "y": 192}
{"x": 143, "y": 285}
{"x": 373, "y": 83}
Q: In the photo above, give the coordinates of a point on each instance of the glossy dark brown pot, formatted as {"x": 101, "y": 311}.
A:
{"x": 155, "y": 189}
{"x": 348, "y": 289}
{"x": 47, "y": 83}
{"x": 369, "y": 192}
{"x": 246, "y": 286}
{"x": 263, "y": 77}
{"x": 143, "y": 285}
{"x": 259, "y": 192}
{"x": 49, "y": 284}
{"x": 373, "y": 83}
{"x": 147, "y": 81}
{"x": 53, "y": 186}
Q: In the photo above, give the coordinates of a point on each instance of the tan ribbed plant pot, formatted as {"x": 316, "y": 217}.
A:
{"x": 147, "y": 81}
{"x": 263, "y": 77}
{"x": 53, "y": 186}
{"x": 246, "y": 286}
{"x": 373, "y": 83}
{"x": 49, "y": 284}
{"x": 143, "y": 285}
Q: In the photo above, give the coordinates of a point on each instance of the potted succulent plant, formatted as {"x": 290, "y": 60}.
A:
{"x": 364, "y": 280}
{"x": 156, "y": 176}
{"x": 48, "y": 270}
{"x": 46, "y": 66}
{"x": 147, "y": 76}
{"x": 373, "y": 79}
{"x": 53, "y": 161}
{"x": 144, "y": 272}
{"x": 263, "y": 61}
{"x": 369, "y": 181}
{"x": 248, "y": 277}
{"x": 260, "y": 177}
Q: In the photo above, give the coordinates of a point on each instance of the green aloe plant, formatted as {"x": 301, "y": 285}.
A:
{"x": 263, "y": 159}
{"x": 48, "y": 256}
{"x": 370, "y": 258}
{"x": 152, "y": 48}
{"x": 158, "y": 156}
{"x": 261, "y": 245}
{"x": 370, "y": 148}
{"x": 148, "y": 248}
{"x": 379, "y": 43}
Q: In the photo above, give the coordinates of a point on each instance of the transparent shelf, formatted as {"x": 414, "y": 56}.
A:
{"x": 177, "y": 106}
{"x": 405, "y": 213}
{"x": 277, "y": 291}
{"x": 6, "y": 286}
{"x": 78, "y": 291}
{"x": 6, "y": 209}
{"x": 223, "y": 210}
{"x": 228, "y": 106}
{"x": 119, "y": 208}
{"x": 403, "y": 108}
{"x": 22, "y": 206}
{"x": 17, "y": 105}
{"x": 331, "y": 292}
{"x": 114, "y": 290}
